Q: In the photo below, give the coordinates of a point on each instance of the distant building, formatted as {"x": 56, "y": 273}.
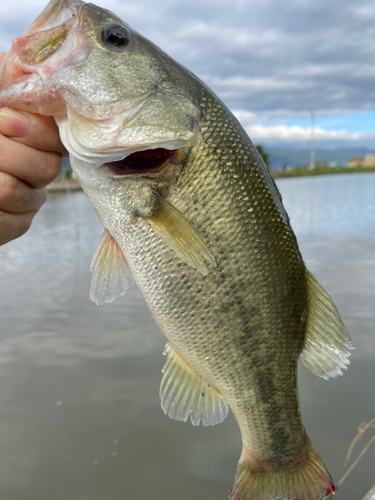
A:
{"x": 367, "y": 161}
{"x": 354, "y": 162}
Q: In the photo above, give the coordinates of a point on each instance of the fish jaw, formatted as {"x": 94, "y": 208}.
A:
{"x": 34, "y": 48}
{"x": 55, "y": 13}
{"x": 47, "y": 45}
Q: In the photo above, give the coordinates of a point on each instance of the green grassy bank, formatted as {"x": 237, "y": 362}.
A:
{"x": 300, "y": 171}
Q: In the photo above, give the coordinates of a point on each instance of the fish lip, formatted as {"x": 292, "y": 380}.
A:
{"x": 53, "y": 15}
{"x": 22, "y": 81}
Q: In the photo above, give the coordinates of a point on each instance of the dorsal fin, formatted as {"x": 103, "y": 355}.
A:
{"x": 110, "y": 273}
{"x": 327, "y": 343}
{"x": 177, "y": 232}
{"x": 183, "y": 392}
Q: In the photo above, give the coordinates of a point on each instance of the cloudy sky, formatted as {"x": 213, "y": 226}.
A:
{"x": 273, "y": 63}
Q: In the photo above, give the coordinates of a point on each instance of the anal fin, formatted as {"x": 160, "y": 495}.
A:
{"x": 183, "y": 392}
{"x": 327, "y": 343}
{"x": 110, "y": 274}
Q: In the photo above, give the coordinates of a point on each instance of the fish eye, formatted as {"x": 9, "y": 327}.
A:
{"x": 115, "y": 35}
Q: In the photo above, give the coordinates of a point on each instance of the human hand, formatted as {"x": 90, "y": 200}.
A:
{"x": 30, "y": 158}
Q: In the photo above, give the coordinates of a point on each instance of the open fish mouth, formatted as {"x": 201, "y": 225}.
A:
{"x": 142, "y": 162}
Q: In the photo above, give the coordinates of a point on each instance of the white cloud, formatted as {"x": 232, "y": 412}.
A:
{"x": 228, "y": 35}
{"x": 317, "y": 70}
{"x": 247, "y": 86}
{"x": 364, "y": 11}
{"x": 246, "y": 117}
{"x": 19, "y": 15}
{"x": 303, "y": 134}
{"x": 259, "y": 128}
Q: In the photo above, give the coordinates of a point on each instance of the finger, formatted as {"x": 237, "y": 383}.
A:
{"x": 2, "y": 54}
{"x": 13, "y": 226}
{"x": 18, "y": 197}
{"x": 13, "y": 123}
{"x": 39, "y": 132}
{"x": 37, "y": 168}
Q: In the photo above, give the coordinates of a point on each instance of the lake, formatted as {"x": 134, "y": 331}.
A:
{"x": 80, "y": 415}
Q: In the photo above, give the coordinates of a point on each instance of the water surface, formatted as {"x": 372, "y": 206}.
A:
{"x": 80, "y": 416}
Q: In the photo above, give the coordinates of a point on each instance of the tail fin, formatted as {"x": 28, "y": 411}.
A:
{"x": 307, "y": 480}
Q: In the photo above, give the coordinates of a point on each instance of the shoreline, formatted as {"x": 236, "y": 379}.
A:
{"x": 303, "y": 172}
{"x": 72, "y": 185}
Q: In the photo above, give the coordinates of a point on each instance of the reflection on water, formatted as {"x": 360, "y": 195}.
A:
{"x": 80, "y": 417}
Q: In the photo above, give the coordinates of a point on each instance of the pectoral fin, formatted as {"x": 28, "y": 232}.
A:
{"x": 183, "y": 392}
{"x": 327, "y": 343}
{"x": 110, "y": 273}
{"x": 177, "y": 232}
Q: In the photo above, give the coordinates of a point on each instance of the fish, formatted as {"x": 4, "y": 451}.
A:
{"x": 370, "y": 495}
{"x": 192, "y": 215}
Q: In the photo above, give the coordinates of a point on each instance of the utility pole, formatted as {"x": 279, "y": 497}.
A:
{"x": 312, "y": 146}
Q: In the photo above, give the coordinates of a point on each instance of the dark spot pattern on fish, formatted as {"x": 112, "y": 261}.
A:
{"x": 264, "y": 379}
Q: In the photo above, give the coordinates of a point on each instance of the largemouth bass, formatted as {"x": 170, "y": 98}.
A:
{"x": 192, "y": 214}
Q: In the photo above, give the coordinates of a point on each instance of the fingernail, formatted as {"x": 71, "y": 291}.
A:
{"x": 17, "y": 124}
